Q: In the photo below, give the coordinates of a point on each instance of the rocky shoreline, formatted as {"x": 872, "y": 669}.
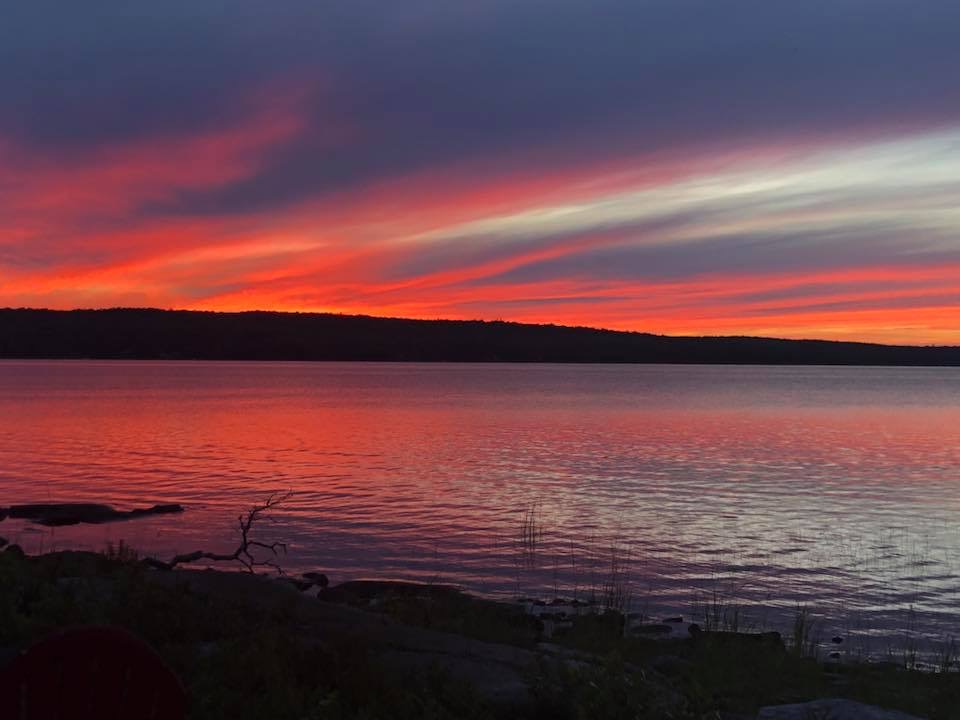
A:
{"x": 521, "y": 659}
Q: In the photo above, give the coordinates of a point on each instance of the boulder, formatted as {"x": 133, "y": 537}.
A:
{"x": 317, "y": 578}
{"x": 831, "y": 709}
{"x": 3, "y": 542}
{"x": 301, "y": 585}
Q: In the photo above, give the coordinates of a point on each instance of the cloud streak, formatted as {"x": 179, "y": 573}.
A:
{"x": 750, "y": 167}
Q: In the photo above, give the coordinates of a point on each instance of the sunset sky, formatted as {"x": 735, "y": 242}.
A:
{"x": 786, "y": 168}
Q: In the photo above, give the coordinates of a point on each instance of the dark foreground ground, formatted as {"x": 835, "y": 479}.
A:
{"x": 247, "y": 646}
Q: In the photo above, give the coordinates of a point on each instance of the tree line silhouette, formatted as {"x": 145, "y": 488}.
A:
{"x": 179, "y": 334}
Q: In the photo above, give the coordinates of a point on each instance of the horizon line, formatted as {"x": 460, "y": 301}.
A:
{"x": 472, "y": 320}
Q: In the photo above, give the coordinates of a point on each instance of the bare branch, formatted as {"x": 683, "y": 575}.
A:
{"x": 242, "y": 554}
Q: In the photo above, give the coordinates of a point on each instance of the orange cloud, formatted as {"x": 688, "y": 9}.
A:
{"x": 447, "y": 243}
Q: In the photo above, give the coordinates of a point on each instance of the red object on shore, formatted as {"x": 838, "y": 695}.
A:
{"x": 101, "y": 673}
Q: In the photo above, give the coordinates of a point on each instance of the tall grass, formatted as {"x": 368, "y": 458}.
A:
{"x": 945, "y": 658}
{"x": 718, "y": 611}
{"x": 732, "y": 597}
{"x": 911, "y": 649}
{"x": 803, "y": 642}
{"x": 531, "y": 535}
{"x": 617, "y": 591}
{"x": 120, "y": 552}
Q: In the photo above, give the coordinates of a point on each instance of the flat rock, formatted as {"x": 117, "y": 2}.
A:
{"x": 652, "y": 629}
{"x": 369, "y": 590}
{"x": 831, "y": 709}
{"x": 58, "y": 514}
{"x": 498, "y": 671}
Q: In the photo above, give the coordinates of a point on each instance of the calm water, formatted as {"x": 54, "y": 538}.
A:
{"x": 834, "y": 487}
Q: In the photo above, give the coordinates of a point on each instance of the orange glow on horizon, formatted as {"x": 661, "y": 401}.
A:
{"x": 466, "y": 243}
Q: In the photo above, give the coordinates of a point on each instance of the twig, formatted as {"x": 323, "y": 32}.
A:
{"x": 242, "y": 554}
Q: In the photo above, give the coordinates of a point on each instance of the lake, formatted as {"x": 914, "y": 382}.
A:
{"x": 755, "y": 488}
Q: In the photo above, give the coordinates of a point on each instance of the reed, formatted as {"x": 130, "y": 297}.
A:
{"x": 531, "y": 535}
{"x": 803, "y": 642}
{"x": 617, "y": 590}
{"x": 121, "y": 553}
{"x": 719, "y": 612}
{"x": 945, "y": 658}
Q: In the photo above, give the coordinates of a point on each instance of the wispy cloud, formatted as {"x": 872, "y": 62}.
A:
{"x": 788, "y": 169}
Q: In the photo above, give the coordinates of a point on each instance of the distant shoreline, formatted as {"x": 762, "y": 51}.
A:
{"x": 149, "y": 334}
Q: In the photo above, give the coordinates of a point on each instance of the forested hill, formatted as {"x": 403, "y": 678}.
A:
{"x": 162, "y": 334}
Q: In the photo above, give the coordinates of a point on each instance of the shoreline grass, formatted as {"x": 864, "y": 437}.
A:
{"x": 241, "y": 657}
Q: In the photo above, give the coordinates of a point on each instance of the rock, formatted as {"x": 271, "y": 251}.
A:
{"x": 835, "y": 655}
{"x": 3, "y": 513}
{"x": 831, "y": 709}
{"x": 317, "y": 578}
{"x": 301, "y": 585}
{"x": 163, "y": 509}
{"x": 15, "y": 549}
{"x": 677, "y": 619}
{"x": 3, "y": 542}
{"x": 361, "y": 592}
{"x": 737, "y": 639}
{"x": 885, "y": 665}
{"x": 58, "y": 514}
{"x": 552, "y": 627}
{"x": 837, "y": 640}
{"x": 652, "y": 629}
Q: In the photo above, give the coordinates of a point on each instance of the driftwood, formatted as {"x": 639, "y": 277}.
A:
{"x": 243, "y": 554}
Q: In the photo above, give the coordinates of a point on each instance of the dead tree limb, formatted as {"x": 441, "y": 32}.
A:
{"x": 243, "y": 554}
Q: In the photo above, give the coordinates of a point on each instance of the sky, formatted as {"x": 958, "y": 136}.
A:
{"x": 749, "y": 167}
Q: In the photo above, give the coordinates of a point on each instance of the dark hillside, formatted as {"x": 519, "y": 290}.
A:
{"x": 161, "y": 334}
